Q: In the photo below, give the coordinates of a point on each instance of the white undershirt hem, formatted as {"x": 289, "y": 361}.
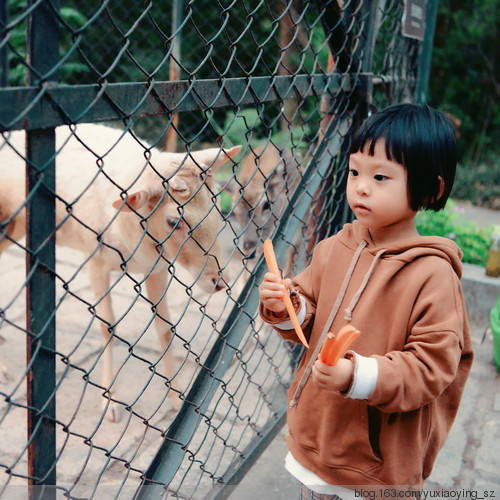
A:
{"x": 314, "y": 482}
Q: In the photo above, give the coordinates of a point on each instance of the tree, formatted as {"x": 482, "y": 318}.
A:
{"x": 465, "y": 74}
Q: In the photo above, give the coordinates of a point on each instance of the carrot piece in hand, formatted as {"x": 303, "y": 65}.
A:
{"x": 328, "y": 344}
{"x": 270, "y": 257}
{"x": 342, "y": 342}
{"x": 272, "y": 264}
{"x": 335, "y": 347}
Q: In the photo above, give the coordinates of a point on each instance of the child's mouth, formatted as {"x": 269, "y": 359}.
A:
{"x": 361, "y": 209}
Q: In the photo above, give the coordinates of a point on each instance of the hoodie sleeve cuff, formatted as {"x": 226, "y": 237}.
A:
{"x": 301, "y": 316}
{"x": 365, "y": 376}
{"x": 285, "y": 324}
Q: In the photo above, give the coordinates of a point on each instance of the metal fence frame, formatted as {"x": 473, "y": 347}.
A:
{"x": 44, "y": 102}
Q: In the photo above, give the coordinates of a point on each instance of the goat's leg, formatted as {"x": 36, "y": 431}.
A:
{"x": 155, "y": 285}
{"x": 99, "y": 277}
{"x": 14, "y": 231}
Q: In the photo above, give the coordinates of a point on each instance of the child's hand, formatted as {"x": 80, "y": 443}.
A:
{"x": 271, "y": 293}
{"x": 333, "y": 378}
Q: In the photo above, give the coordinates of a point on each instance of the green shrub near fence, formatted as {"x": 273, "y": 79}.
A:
{"x": 451, "y": 223}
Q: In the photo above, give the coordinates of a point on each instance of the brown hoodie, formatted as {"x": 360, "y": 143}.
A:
{"x": 411, "y": 360}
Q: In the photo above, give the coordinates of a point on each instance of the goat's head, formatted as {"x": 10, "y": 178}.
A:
{"x": 177, "y": 204}
{"x": 265, "y": 182}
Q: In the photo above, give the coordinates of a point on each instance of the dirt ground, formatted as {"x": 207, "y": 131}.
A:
{"x": 96, "y": 454}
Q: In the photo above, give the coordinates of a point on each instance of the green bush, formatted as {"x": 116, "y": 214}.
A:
{"x": 450, "y": 223}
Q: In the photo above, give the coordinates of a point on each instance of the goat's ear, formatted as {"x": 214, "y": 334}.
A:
{"x": 133, "y": 201}
{"x": 230, "y": 153}
{"x": 215, "y": 157}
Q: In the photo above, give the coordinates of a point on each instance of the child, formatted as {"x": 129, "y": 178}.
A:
{"x": 380, "y": 416}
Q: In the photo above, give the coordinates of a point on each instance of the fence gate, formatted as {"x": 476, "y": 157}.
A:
{"x": 158, "y": 143}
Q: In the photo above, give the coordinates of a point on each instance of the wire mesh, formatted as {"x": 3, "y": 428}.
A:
{"x": 185, "y": 134}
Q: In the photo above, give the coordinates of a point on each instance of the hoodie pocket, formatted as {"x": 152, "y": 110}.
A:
{"x": 342, "y": 432}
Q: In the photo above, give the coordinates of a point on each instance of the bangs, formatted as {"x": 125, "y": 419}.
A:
{"x": 396, "y": 136}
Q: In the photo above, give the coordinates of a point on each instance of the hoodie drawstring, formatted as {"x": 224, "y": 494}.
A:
{"x": 334, "y": 311}
{"x": 354, "y": 301}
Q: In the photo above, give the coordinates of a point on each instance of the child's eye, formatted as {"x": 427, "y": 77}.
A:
{"x": 353, "y": 173}
{"x": 380, "y": 177}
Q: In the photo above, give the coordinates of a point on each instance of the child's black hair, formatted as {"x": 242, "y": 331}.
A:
{"x": 421, "y": 139}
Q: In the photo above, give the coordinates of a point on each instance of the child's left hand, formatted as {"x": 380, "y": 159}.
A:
{"x": 333, "y": 378}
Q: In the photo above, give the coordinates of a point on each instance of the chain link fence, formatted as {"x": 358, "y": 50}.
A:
{"x": 148, "y": 149}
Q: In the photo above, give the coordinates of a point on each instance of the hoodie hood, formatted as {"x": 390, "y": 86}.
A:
{"x": 352, "y": 235}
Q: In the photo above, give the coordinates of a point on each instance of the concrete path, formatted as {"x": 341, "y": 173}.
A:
{"x": 481, "y": 216}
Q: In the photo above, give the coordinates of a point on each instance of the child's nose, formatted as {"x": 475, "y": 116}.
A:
{"x": 362, "y": 187}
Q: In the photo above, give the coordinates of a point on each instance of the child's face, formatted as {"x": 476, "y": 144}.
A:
{"x": 377, "y": 192}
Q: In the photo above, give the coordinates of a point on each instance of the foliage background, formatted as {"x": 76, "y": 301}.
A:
{"x": 465, "y": 82}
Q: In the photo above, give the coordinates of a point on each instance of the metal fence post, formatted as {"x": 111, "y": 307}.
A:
{"x": 425, "y": 60}
{"x": 42, "y": 47}
{"x": 175, "y": 67}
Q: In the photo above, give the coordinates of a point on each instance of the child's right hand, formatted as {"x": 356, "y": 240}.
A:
{"x": 271, "y": 293}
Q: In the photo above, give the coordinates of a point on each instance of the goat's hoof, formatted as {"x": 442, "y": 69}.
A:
{"x": 112, "y": 412}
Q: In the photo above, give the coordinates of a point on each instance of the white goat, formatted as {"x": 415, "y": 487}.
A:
{"x": 127, "y": 207}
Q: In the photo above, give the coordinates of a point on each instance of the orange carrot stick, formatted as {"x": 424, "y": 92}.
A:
{"x": 272, "y": 264}
{"x": 328, "y": 344}
{"x": 335, "y": 347}
{"x": 342, "y": 342}
{"x": 270, "y": 257}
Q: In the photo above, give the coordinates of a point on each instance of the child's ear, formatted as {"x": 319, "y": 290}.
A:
{"x": 441, "y": 188}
